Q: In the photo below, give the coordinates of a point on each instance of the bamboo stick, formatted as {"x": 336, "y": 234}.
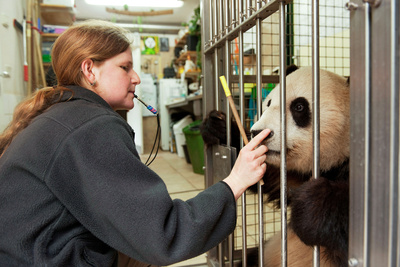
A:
{"x": 235, "y": 113}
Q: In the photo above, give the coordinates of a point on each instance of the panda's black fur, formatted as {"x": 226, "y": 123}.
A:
{"x": 319, "y": 207}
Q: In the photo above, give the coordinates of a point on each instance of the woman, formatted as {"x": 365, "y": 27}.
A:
{"x": 73, "y": 190}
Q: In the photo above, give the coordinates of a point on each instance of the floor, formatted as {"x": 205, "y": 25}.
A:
{"x": 182, "y": 183}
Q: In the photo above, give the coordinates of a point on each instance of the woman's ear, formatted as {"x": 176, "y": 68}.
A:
{"x": 86, "y": 68}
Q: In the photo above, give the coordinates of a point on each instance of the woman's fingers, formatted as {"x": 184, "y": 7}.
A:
{"x": 256, "y": 141}
{"x": 250, "y": 165}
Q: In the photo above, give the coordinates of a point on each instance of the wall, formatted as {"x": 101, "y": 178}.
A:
{"x": 12, "y": 89}
{"x": 155, "y": 64}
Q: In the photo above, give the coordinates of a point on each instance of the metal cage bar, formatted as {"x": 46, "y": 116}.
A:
{"x": 394, "y": 221}
{"x": 259, "y": 111}
{"x": 367, "y": 75}
{"x": 316, "y": 98}
{"x": 282, "y": 82}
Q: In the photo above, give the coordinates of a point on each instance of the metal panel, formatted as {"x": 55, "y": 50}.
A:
{"x": 374, "y": 131}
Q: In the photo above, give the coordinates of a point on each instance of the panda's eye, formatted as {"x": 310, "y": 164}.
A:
{"x": 301, "y": 113}
{"x": 299, "y": 107}
{"x": 269, "y": 103}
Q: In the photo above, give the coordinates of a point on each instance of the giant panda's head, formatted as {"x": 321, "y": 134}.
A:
{"x": 334, "y": 121}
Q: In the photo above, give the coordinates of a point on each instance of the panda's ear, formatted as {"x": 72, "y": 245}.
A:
{"x": 291, "y": 68}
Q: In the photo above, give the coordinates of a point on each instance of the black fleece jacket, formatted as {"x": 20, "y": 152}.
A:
{"x": 73, "y": 191}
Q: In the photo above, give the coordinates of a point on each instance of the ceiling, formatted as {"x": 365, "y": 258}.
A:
{"x": 170, "y": 23}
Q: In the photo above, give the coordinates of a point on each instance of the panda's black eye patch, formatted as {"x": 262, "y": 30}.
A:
{"x": 300, "y": 109}
{"x": 269, "y": 103}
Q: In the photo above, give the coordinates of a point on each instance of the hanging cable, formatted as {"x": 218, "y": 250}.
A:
{"x": 157, "y": 138}
{"x": 155, "y": 144}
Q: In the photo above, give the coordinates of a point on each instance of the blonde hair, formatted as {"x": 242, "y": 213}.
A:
{"x": 93, "y": 39}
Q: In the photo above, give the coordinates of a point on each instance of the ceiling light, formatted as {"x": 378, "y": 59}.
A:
{"x": 136, "y": 3}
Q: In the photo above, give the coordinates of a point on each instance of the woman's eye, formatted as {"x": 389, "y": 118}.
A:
{"x": 124, "y": 68}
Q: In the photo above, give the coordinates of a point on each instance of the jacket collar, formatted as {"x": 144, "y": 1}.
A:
{"x": 85, "y": 94}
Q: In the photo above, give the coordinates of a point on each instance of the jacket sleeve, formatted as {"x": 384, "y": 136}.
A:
{"x": 97, "y": 174}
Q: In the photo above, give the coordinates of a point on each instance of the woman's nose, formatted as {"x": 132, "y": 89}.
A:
{"x": 135, "y": 78}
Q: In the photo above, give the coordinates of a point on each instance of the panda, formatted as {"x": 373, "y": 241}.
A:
{"x": 319, "y": 208}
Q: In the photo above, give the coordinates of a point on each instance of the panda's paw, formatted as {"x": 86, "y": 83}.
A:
{"x": 320, "y": 213}
{"x": 213, "y": 128}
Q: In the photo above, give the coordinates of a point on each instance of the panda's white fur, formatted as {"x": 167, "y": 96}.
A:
{"x": 334, "y": 122}
{"x": 298, "y": 254}
{"x": 334, "y": 144}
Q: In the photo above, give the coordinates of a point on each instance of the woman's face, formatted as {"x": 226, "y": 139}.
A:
{"x": 116, "y": 80}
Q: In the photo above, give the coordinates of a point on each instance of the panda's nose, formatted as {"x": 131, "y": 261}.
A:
{"x": 255, "y": 132}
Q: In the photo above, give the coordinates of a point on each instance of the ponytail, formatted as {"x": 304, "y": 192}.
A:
{"x": 27, "y": 110}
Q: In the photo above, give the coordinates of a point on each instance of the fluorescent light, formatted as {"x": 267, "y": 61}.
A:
{"x": 137, "y": 3}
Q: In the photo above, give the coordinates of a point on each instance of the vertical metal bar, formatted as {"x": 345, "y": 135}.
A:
{"x": 240, "y": 11}
{"x": 211, "y": 36}
{"x": 228, "y": 122}
{"x": 216, "y": 73}
{"x": 234, "y": 18}
{"x": 239, "y": 5}
{"x": 215, "y": 16}
{"x": 244, "y": 230}
{"x": 316, "y": 132}
{"x": 282, "y": 82}
{"x": 259, "y": 111}
{"x": 221, "y": 19}
{"x": 394, "y": 136}
{"x": 217, "y": 22}
{"x": 241, "y": 103}
{"x": 221, "y": 254}
{"x": 357, "y": 142}
{"x": 227, "y": 23}
{"x": 367, "y": 137}
{"x": 241, "y": 73}
{"x": 227, "y": 74}
{"x": 248, "y": 9}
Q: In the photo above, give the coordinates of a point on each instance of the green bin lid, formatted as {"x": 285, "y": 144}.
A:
{"x": 192, "y": 128}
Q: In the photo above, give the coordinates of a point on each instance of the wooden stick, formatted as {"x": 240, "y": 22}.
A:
{"x": 39, "y": 59}
{"x": 140, "y": 13}
{"x": 29, "y": 46}
{"x": 235, "y": 113}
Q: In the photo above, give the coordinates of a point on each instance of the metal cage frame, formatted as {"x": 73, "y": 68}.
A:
{"x": 374, "y": 236}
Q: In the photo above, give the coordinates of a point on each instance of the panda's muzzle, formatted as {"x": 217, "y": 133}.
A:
{"x": 256, "y": 132}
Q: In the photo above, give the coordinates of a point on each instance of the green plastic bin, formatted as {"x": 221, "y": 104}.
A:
{"x": 195, "y": 146}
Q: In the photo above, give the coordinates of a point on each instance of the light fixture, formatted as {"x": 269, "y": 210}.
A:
{"x": 137, "y": 3}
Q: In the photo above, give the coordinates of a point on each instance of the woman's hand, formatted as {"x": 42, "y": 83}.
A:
{"x": 250, "y": 165}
